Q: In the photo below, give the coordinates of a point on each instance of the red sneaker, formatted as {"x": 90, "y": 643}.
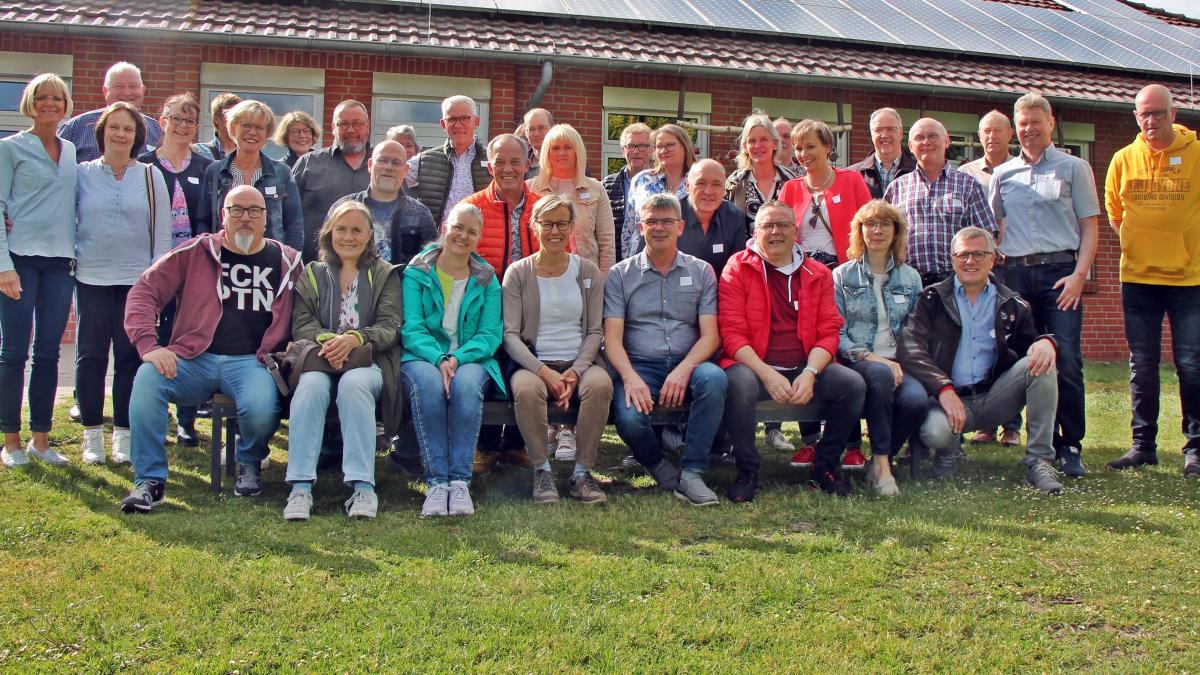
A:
{"x": 853, "y": 460}
{"x": 805, "y": 456}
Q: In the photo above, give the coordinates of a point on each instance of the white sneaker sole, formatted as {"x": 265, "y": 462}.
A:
{"x": 681, "y": 496}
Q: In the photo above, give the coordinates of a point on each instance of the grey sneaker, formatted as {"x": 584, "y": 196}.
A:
{"x": 249, "y": 480}
{"x": 692, "y": 489}
{"x": 777, "y": 441}
{"x": 49, "y": 455}
{"x": 362, "y": 504}
{"x": 584, "y": 489}
{"x": 14, "y": 459}
{"x": 1191, "y": 464}
{"x": 564, "y": 449}
{"x": 459, "y": 503}
{"x": 299, "y": 505}
{"x": 1042, "y": 476}
{"x": 665, "y": 474}
{"x": 144, "y": 497}
{"x": 544, "y": 491}
{"x": 435, "y": 501}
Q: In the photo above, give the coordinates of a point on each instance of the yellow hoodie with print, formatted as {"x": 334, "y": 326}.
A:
{"x": 1155, "y": 199}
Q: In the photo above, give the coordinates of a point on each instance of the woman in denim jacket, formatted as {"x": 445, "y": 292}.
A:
{"x": 876, "y": 278}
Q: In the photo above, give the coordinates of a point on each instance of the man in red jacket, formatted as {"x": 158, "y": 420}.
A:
{"x": 234, "y": 293}
{"x": 779, "y": 331}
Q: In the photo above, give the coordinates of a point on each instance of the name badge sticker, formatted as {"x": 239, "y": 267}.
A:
{"x": 836, "y": 199}
{"x": 992, "y": 333}
{"x": 685, "y": 281}
{"x": 585, "y": 195}
{"x": 587, "y": 283}
{"x": 1175, "y": 161}
{"x": 270, "y": 189}
{"x": 899, "y": 299}
{"x": 718, "y": 248}
{"x": 483, "y": 163}
{"x": 194, "y": 180}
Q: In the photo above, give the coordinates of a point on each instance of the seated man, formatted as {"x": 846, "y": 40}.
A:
{"x": 971, "y": 342}
{"x": 779, "y": 331}
{"x": 660, "y": 329}
{"x": 234, "y": 293}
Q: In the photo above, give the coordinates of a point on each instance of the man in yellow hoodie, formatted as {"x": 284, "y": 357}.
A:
{"x": 1152, "y": 194}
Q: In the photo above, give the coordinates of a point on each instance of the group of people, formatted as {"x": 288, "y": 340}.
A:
{"x": 929, "y": 300}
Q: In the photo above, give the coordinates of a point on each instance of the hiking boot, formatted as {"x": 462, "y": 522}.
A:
{"x": 585, "y": 489}
{"x": 945, "y": 464}
{"x": 484, "y": 462}
{"x": 121, "y": 447}
{"x": 1132, "y": 460}
{"x": 362, "y": 504}
{"x": 1071, "y": 459}
{"x": 1041, "y": 475}
{"x": 49, "y": 455}
{"x": 144, "y": 497}
{"x": 436, "y": 501}
{"x": 744, "y": 488}
{"x": 805, "y": 456}
{"x": 249, "y": 480}
{"x": 853, "y": 460}
{"x": 93, "y": 446}
{"x": 1009, "y": 437}
{"x": 185, "y": 434}
{"x": 981, "y": 437}
{"x": 1191, "y": 464}
{"x": 544, "y": 491}
{"x": 665, "y": 474}
{"x": 299, "y": 505}
{"x": 14, "y": 459}
{"x": 459, "y": 503}
{"x": 775, "y": 440}
{"x": 564, "y": 450}
{"x": 830, "y": 482}
{"x": 691, "y": 489}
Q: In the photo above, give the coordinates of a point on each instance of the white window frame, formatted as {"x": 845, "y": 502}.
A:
{"x": 796, "y": 110}
{"x": 21, "y": 67}
{"x": 427, "y": 89}
{"x": 222, "y": 77}
{"x": 655, "y": 103}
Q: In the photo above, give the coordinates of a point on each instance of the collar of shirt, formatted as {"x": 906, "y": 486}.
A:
{"x": 1048, "y": 152}
{"x": 500, "y": 198}
{"x": 889, "y": 167}
{"x": 643, "y": 262}
{"x": 960, "y": 292}
{"x": 940, "y": 175}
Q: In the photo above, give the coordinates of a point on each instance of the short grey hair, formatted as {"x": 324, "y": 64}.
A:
{"x": 119, "y": 68}
{"x": 460, "y": 209}
{"x": 973, "y": 232}
{"x": 551, "y": 202}
{"x": 449, "y": 103}
{"x": 1033, "y": 101}
{"x": 501, "y": 139}
{"x": 662, "y": 200}
{"x": 886, "y": 111}
{"x": 995, "y": 114}
{"x": 403, "y": 130}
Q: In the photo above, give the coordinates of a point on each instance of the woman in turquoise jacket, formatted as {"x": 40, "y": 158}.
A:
{"x": 452, "y": 328}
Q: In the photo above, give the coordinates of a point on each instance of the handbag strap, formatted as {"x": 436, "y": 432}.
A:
{"x": 150, "y": 198}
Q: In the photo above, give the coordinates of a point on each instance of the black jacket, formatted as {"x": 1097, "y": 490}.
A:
{"x": 411, "y": 230}
{"x": 614, "y": 185}
{"x": 189, "y": 179}
{"x": 929, "y": 339}
{"x": 908, "y": 163}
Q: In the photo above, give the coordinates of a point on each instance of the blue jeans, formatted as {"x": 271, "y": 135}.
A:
{"x": 184, "y": 414}
{"x": 46, "y": 287}
{"x": 1145, "y": 305}
{"x": 447, "y": 428}
{"x": 242, "y": 378}
{"x": 1036, "y": 286}
{"x": 706, "y": 392}
{"x": 357, "y": 393}
{"x": 894, "y": 413}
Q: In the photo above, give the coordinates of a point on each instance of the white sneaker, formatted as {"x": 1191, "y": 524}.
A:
{"x": 49, "y": 455}
{"x": 777, "y": 441}
{"x": 93, "y": 446}
{"x": 565, "y": 452}
{"x": 459, "y": 503}
{"x": 120, "y": 446}
{"x": 14, "y": 459}
{"x": 435, "y": 501}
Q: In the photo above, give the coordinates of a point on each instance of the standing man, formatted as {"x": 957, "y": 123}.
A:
{"x": 635, "y": 147}
{"x": 122, "y": 82}
{"x": 1152, "y": 193}
{"x": 937, "y": 201}
{"x": 995, "y": 135}
{"x": 784, "y": 156}
{"x": 1046, "y": 205}
{"x": 537, "y": 124}
{"x": 713, "y": 228}
{"x": 890, "y": 159}
{"x": 660, "y": 330}
{"x": 443, "y": 176}
{"x": 222, "y": 143}
{"x": 326, "y": 175}
{"x": 403, "y": 226}
{"x": 234, "y": 295}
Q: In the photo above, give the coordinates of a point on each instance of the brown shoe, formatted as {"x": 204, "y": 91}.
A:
{"x": 484, "y": 462}
{"x": 518, "y": 457}
{"x": 584, "y": 489}
{"x": 1010, "y": 437}
{"x": 981, "y": 437}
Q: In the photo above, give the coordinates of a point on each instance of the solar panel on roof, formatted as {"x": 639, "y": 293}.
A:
{"x": 733, "y": 14}
{"x": 848, "y": 23}
{"x": 1016, "y": 41}
{"x": 675, "y": 12}
{"x": 907, "y": 30}
{"x": 533, "y": 6}
{"x": 791, "y": 19}
{"x": 1129, "y": 49}
{"x": 948, "y": 27}
{"x": 607, "y": 9}
{"x": 1074, "y": 51}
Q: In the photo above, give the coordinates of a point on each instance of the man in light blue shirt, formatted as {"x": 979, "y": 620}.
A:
{"x": 122, "y": 82}
{"x": 977, "y": 346}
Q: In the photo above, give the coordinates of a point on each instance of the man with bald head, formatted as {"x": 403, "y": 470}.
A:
{"x": 233, "y": 290}
{"x": 326, "y": 175}
{"x": 537, "y": 124}
{"x": 891, "y": 159}
{"x": 713, "y": 227}
{"x": 1153, "y": 202}
{"x": 995, "y": 135}
{"x": 937, "y": 201}
{"x": 402, "y": 224}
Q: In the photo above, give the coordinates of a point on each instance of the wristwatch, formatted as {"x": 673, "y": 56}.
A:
{"x": 810, "y": 369}
{"x": 859, "y": 353}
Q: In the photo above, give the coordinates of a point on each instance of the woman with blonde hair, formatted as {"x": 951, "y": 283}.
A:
{"x": 673, "y": 158}
{"x": 564, "y": 160}
{"x": 299, "y": 133}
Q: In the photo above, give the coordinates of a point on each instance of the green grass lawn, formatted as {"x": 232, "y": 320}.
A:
{"x": 980, "y": 574}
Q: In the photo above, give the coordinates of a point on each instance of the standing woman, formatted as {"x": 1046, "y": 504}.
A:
{"x": 350, "y": 298}
{"x": 452, "y": 328}
{"x": 875, "y": 291}
{"x": 405, "y": 135}
{"x": 759, "y": 178}
{"x": 123, "y": 224}
{"x": 183, "y": 168}
{"x": 673, "y": 158}
{"x": 564, "y": 154}
{"x": 553, "y": 306}
{"x": 826, "y": 198}
{"x": 37, "y": 262}
{"x": 299, "y": 133}
{"x": 251, "y": 123}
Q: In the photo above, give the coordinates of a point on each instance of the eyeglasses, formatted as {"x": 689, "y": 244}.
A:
{"x": 878, "y": 225}
{"x": 300, "y": 131}
{"x": 461, "y": 120}
{"x": 1147, "y": 115}
{"x": 551, "y": 225}
{"x": 354, "y": 124}
{"x": 776, "y": 226}
{"x": 656, "y": 223}
{"x": 239, "y": 211}
{"x": 180, "y": 121}
{"x": 637, "y": 147}
{"x": 388, "y": 161}
{"x": 977, "y": 256}
{"x": 663, "y": 147}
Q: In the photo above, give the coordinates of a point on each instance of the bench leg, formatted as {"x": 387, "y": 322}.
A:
{"x": 215, "y": 448}
{"x": 919, "y": 452}
{"x": 230, "y": 446}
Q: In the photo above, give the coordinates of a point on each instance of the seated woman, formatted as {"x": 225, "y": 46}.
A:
{"x": 451, "y": 331}
{"x": 554, "y": 303}
{"x": 350, "y": 298}
{"x": 874, "y": 292}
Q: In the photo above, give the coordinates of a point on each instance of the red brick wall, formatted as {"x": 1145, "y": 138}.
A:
{"x": 575, "y": 97}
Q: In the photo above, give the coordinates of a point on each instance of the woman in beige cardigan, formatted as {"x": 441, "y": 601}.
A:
{"x": 553, "y": 306}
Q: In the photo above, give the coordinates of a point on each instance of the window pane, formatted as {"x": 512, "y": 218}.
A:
{"x": 410, "y": 112}
{"x": 618, "y": 121}
{"x": 10, "y": 95}
{"x": 615, "y": 164}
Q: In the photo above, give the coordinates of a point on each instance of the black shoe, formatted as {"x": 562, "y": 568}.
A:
{"x": 144, "y": 497}
{"x": 407, "y": 466}
{"x": 185, "y": 434}
{"x": 743, "y": 489}
{"x": 1132, "y": 460}
{"x": 717, "y": 459}
{"x": 945, "y": 464}
{"x": 205, "y": 409}
{"x": 1071, "y": 462}
{"x": 1191, "y": 464}
{"x": 830, "y": 482}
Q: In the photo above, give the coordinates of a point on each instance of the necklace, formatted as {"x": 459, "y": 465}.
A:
{"x": 118, "y": 173}
{"x": 546, "y": 271}
{"x": 824, "y": 184}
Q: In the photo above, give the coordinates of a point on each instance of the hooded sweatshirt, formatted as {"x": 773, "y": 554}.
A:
{"x": 1154, "y": 197}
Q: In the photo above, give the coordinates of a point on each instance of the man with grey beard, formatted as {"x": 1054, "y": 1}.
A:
{"x": 233, "y": 289}
{"x": 326, "y": 175}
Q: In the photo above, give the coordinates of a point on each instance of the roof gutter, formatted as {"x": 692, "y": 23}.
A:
{"x": 427, "y": 51}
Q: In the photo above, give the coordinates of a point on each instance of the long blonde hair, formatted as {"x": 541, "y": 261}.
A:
{"x": 557, "y": 134}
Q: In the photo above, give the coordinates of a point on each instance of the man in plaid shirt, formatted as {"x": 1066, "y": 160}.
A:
{"x": 937, "y": 201}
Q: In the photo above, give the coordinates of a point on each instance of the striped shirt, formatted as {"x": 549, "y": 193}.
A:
{"x": 935, "y": 210}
